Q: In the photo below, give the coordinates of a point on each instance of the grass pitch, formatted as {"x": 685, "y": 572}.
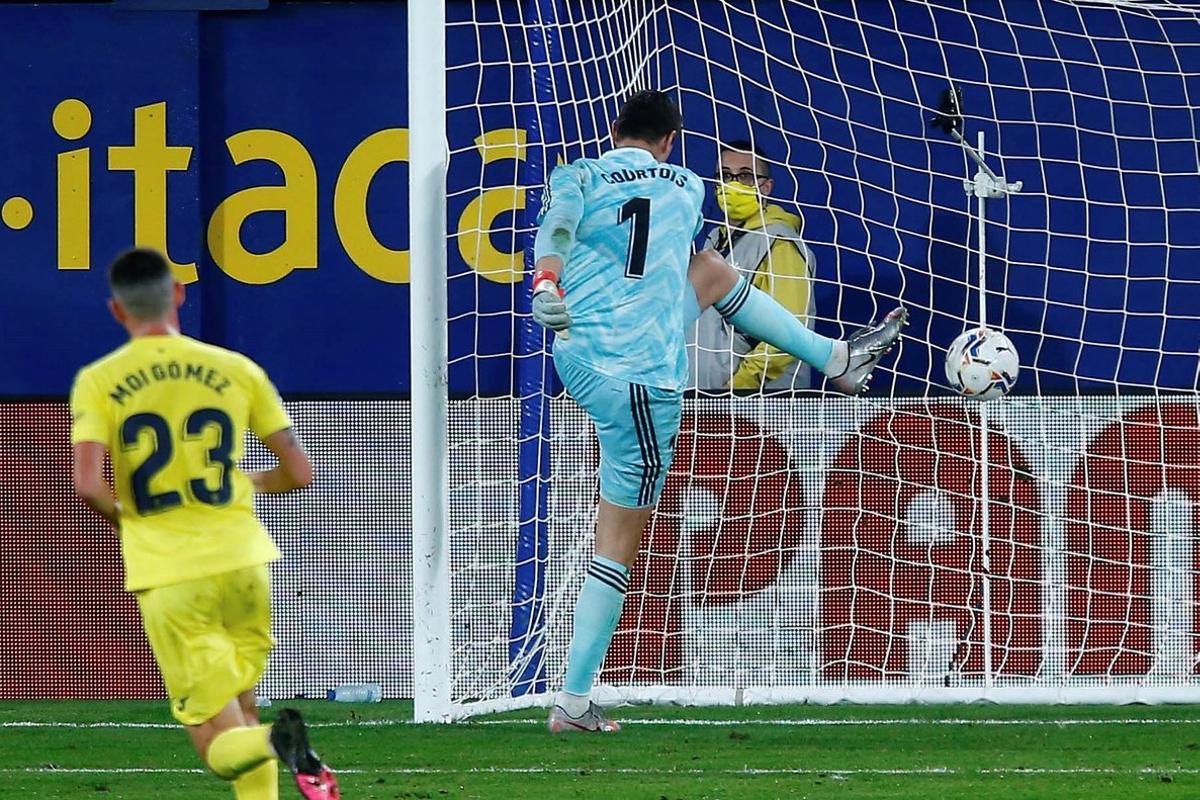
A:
{"x": 132, "y": 750}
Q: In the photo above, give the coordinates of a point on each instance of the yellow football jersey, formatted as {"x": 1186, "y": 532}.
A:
{"x": 173, "y": 413}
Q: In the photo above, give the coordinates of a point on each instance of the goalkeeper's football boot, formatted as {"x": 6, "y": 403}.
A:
{"x": 290, "y": 740}
{"x": 594, "y": 720}
{"x": 866, "y": 346}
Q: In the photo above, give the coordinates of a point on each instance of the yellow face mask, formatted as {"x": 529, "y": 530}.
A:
{"x": 739, "y": 202}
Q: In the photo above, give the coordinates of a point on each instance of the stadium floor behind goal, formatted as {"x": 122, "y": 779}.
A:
{"x": 131, "y": 750}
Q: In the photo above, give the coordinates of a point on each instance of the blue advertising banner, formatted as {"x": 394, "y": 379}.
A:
{"x": 240, "y": 145}
{"x": 265, "y": 151}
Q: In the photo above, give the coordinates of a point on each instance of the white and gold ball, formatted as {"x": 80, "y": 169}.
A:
{"x": 982, "y": 364}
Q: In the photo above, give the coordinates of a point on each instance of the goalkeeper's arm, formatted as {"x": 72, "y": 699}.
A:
{"x": 555, "y": 240}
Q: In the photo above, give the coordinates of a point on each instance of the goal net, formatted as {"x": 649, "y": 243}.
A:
{"x": 809, "y": 547}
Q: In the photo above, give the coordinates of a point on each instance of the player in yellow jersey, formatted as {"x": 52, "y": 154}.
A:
{"x": 172, "y": 413}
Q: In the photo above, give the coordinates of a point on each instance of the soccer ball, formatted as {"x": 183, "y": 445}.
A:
{"x": 982, "y": 364}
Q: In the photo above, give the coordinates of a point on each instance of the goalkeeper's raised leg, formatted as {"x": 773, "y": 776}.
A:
{"x": 848, "y": 363}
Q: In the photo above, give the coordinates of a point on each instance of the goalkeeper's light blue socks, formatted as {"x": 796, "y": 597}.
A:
{"x": 755, "y": 313}
{"x": 596, "y": 614}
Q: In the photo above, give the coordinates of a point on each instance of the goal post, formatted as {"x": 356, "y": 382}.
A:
{"x": 428, "y": 161}
{"x": 907, "y": 547}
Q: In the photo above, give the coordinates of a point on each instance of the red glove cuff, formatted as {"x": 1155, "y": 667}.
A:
{"x": 545, "y": 276}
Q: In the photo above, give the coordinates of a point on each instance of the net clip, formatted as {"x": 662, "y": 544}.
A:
{"x": 949, "y": 118}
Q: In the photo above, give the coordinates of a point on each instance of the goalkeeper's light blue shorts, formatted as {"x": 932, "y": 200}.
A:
{"x": 636, "y": 427}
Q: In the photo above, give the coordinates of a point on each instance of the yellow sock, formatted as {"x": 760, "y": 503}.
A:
{"x": 236, "y": 751}
{"x": 260, "y": 783}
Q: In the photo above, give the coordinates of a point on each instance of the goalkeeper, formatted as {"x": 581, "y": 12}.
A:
{"x": 616, "y": 236}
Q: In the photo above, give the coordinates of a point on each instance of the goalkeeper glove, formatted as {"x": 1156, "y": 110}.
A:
{"x": 549, "y": 310}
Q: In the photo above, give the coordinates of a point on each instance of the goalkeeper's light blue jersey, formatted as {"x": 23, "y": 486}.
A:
{"x": 623, "y": 225}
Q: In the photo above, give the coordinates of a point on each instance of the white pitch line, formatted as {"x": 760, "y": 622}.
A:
{"x": 720, "y": 723}
{"x": 36, "y": 724}
{"x": 583, "y": 771}
{"x": 822, "y": 723}
{"x": 105, "y": 770}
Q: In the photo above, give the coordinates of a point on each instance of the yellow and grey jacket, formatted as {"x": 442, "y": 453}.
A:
{"x": 769, "y": 252}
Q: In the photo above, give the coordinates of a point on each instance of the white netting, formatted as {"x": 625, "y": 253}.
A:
{"x": 824, "y": 548}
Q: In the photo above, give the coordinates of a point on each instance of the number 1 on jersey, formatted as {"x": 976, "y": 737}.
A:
{"x": 638, "y": 210}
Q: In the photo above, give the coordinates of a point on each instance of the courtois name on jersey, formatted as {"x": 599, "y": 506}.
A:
{"x": 624, "y": 224}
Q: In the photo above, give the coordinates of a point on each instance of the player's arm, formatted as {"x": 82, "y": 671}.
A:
{"x": 90, "y": 429}
{"x": 90, "y": 484}
{"x": 270, "y": 422}
{"x": 294, "y": 470}
{"x": 552, "y": 246}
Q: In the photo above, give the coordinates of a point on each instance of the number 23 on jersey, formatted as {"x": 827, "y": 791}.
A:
{"x": 214, "y": 487}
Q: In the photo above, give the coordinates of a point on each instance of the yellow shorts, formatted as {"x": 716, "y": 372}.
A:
{"x": 211, "y": 638}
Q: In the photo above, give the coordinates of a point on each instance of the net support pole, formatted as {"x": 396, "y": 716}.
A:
{"x": 534, "y": 374}
{"x": 428, "y": 158}
{"x": 985, "y": 184}
{"x": 981, "y": 178}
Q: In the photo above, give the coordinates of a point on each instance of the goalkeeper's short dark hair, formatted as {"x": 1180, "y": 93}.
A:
{"x": 142, "y": 281}
{"x": 648, "y": 116}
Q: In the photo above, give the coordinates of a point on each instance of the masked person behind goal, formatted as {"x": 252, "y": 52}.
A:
{"x": 762, "y": 241}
